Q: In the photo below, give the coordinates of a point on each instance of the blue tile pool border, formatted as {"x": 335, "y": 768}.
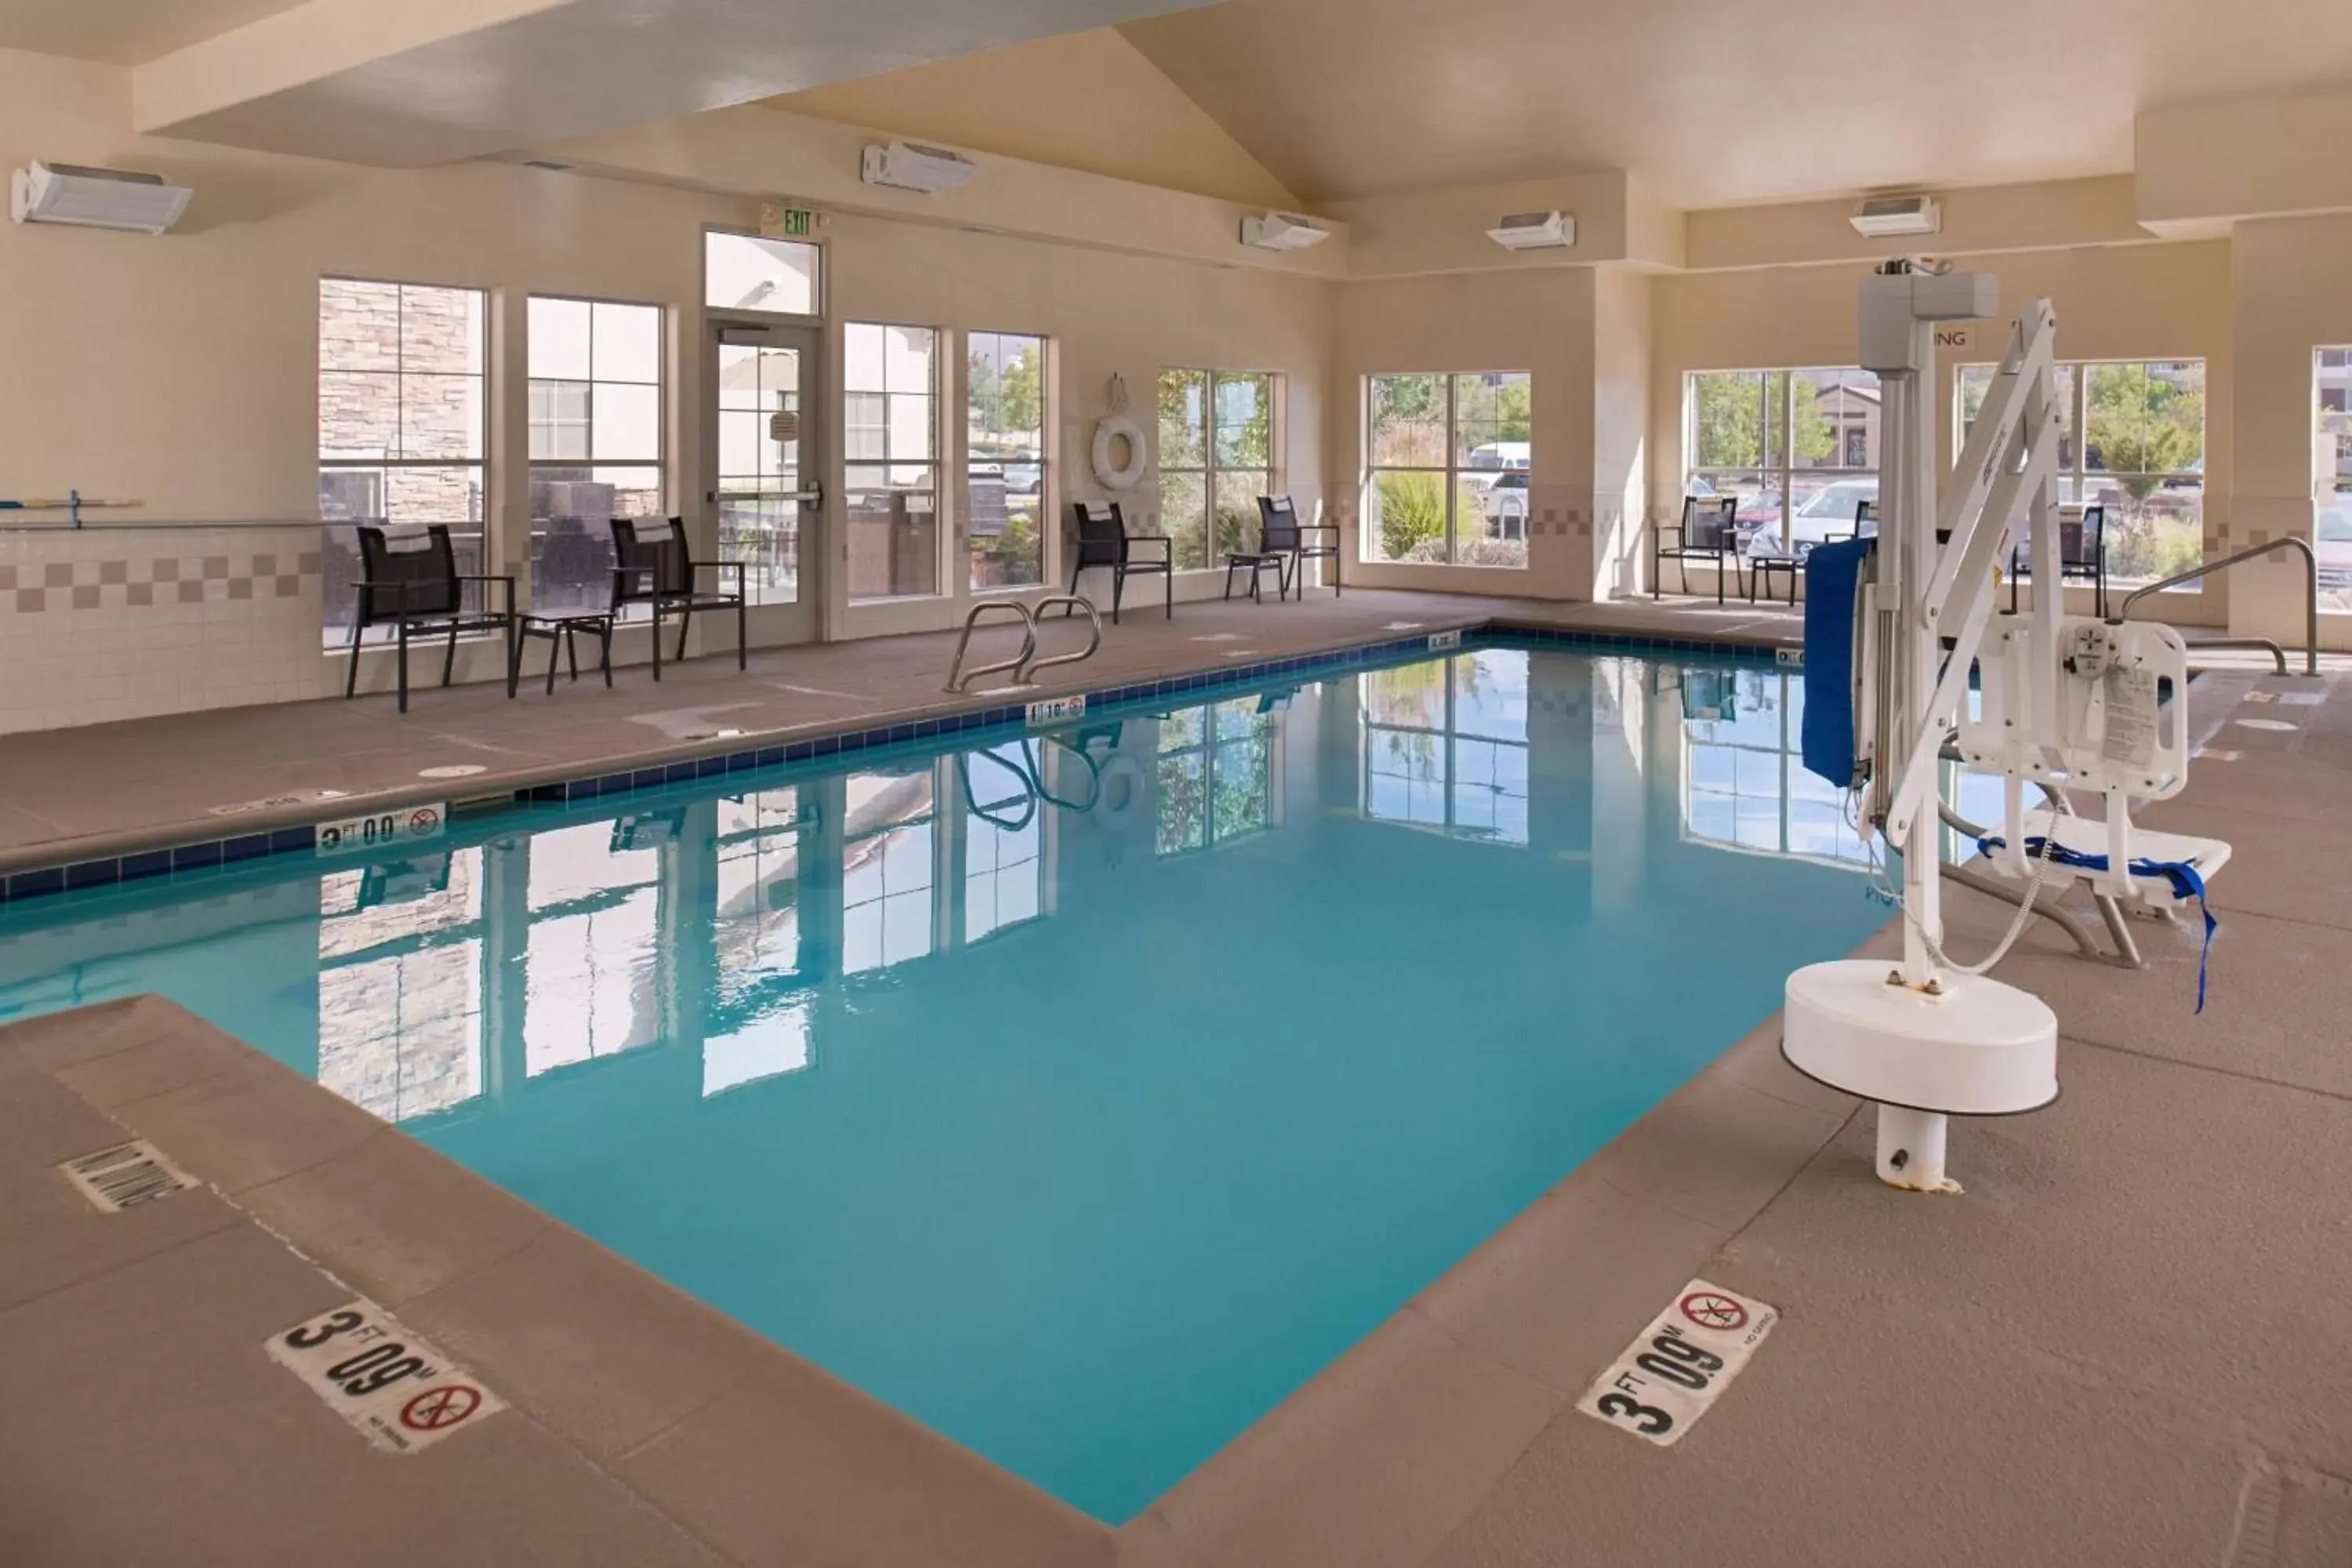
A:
{"x": 211, "y": 854}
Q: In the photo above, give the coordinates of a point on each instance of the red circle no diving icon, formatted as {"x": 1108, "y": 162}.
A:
{"x": 424, "y": 819}
{"x": 1710, "y": 1311}
{"x": 443, "y": 1406}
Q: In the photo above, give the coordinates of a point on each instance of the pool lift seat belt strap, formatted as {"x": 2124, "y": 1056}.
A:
{"x": 2185, "y": 879}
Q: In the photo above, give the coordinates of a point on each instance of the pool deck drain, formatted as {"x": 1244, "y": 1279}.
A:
{"x": 2095, "y": 1357}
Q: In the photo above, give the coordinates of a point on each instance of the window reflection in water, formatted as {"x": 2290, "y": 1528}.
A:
{"x": 1216, "y": 767}
{"x": 1445, "y": 745}
{"x": 1004, "y": 835}
{"x": 888, "y": 869}
{"x": 760, "y": 1024}
{"x": 595, "y": 910}
{"x": 400, "y": 983}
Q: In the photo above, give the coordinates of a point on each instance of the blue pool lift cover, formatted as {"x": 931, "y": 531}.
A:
{"x": 1832, "y": 575}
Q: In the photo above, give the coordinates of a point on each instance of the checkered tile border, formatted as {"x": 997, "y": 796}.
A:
{"x": 42, "y": 587}
{"x": 922, "y": 735}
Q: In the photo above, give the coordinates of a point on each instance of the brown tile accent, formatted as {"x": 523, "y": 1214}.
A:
{"x": 289, "y": 585}
{"x": 217, "y": 567}
{"x": 28, "y": 601}
{"x": 7, "y": 577}
{"x": 264, "y": 566}
{"x": 240, "y": 587}
{"x": 114, "y": 570}
{"x": 142, "y": 593}
{"x": 166, "y": 570}
{"x": 307, "y": 562}
{"x": 58, "y": 574}
{"x": 86, "y": 596}
{"x": 192, "y": 593}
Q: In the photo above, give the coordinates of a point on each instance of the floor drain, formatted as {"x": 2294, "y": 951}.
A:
{"x": 453, "y": 770}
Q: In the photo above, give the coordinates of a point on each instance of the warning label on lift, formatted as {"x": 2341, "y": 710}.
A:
{"x": 1676, "y": 1368}
{"x": 398, "y": 1391}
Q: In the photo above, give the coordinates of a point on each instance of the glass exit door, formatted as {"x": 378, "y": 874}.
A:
{"x": 765, "y": 469}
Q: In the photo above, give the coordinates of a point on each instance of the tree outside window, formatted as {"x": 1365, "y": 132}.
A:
{"x": 1216, "y": 457}
{"x": 1798, "y": 449}
{"x": 1449, "y": 465}
{"x": 1004, "y": 459}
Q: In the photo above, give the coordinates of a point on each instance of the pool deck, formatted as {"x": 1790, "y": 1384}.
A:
{"x": 2126, "y": 1344}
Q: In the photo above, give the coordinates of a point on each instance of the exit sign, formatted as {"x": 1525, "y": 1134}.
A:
{"x": 779, "y": 220}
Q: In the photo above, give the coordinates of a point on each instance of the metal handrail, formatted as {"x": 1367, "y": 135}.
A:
{"x": 2264, "y": 645}
{"x": 960, "y": 677}
{"x": 1030, "y": 666}
{"x": 2311, "y": 603}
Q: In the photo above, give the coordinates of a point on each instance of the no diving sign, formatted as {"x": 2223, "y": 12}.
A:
{"x": 1678, "y": 1366}
{"x": 401, "y": 1393}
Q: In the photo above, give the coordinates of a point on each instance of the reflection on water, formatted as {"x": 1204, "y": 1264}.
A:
{"x": 1080, "y": 1095}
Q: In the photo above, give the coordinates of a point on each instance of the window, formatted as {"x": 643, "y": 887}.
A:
{"x": 1448, "y": 468}
{"x": 1798, "y": 448}
{"x": 1217, "y": 773}
{"x": 745, "y": 272}
{"x": 401, "y": 423}
{"x": 1445, "y": 745}
{"x": 2134, "y": 442}
{"x": 1004, "y": 459}
{"x": 1216, "y": 457}
{"x": 890, "y": 448}
{"x": 888, "y": 870}
{"x": 2331, "y": 529}
{"x": 596, "y": 441}
{"x": 1003, "y": 865}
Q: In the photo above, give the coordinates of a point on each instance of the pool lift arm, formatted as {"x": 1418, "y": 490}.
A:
{"x": 2065, "y": 702}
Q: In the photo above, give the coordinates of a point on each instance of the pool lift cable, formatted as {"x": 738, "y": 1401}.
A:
{"x": 2066, "y": 702}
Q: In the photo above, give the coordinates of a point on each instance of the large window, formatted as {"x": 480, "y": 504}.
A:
{"x": 2331, "y": 388}
{"x": 595, "y": 440}
{"x": 2134, "y": 442}
{"x": 1798, "y": 447}
{"x": 1216, "y": 457}
{"x": 890, "y": 447}
{"x": 1448, "y": 461}
{"x": 401, "y": 438}
{"x": 1004, "y": 459}
{"x": 1446, "y": 746}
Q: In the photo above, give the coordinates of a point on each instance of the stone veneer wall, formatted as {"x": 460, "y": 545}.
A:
{"x": 124, "y": 622}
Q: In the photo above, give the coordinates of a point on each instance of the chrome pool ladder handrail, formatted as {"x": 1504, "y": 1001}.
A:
{"x": 2311, "y": 596}
{"x": 1022, "y": 673}
{"x": 958, "y": 678}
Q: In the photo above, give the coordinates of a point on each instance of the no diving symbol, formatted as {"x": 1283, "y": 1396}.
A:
{"x": 424, "y": 819}
{"x": 1709, "y": 1311}
{"x": 438, "y": 1407}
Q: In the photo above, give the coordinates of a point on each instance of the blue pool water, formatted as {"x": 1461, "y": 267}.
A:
{"x": 1085, "y": 1128}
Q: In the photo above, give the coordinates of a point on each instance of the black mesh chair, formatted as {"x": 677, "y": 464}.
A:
{"x": 1865, "y": 520}
{"x": 1103, "y": 541}
{"x": 1709, "y": 530}
{"x": 1279, "y": 529}
{"x": 409, "y": 581}
{"x": 2081, "y": 556}
{"x": 652, "y": 566}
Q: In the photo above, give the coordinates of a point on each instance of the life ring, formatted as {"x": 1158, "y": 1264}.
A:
{"x": 1108, "y": 431}
{"x": 1117, "y": 809}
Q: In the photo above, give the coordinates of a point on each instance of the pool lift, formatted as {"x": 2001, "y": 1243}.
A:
{"x": 2067, "y": 703}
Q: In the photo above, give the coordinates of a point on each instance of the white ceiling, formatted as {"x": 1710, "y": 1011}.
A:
{"x": 124, "y": 32}
{"x": 1713, "y": 102}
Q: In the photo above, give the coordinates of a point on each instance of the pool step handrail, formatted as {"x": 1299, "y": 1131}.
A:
{"x": 1065, "y": 602}
{"x": 2268, "y": 547}
{"x": 960, "y": 679}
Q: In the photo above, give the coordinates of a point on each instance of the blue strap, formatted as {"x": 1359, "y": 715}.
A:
{"x": 2183, "y": 877}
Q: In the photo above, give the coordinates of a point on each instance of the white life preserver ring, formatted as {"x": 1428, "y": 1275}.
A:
{"x": 1108, "y": 431}
{"x": 1128, "y": 771}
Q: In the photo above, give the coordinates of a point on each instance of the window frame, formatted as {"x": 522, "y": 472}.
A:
{"x": 658, "y": 465}
{"x": 1048, "y": 538}
{"x": 822, "y": 300}
{"x": 1776, "y": 470}
{"x": 1449, "y": 475}
{"x": 936, "y": 393}
{"x": 1209, "y": 469}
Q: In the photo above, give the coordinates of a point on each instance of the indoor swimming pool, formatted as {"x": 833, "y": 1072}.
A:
{"x": 1079, "y": 1095}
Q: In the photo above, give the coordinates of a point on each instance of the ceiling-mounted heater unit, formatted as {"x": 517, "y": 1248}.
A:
{"x": 1535, "y": 231}
{"x": 1282, "y": 231}
{"x": 913, "y": 166}
{"x": 1892, "y": 217}
{"x": 95, "y": 198}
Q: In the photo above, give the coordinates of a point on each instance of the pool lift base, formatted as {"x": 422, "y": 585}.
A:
{"x": 1967, "y": 1047}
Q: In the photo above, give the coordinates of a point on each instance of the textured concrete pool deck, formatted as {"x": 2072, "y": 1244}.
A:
{"x": 2126, "y": 1343}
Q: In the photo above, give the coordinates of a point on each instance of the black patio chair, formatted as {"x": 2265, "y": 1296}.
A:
{"x": 1103, "y": 541}
{"x": 409, "y": 581}
{"x": 2082, "y": 557}
{"x": 1709, "y": 530}
{"x": 652, "y": 566}
{"x": 1279, "y": 529}
{"x": 1865, "y": 520}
